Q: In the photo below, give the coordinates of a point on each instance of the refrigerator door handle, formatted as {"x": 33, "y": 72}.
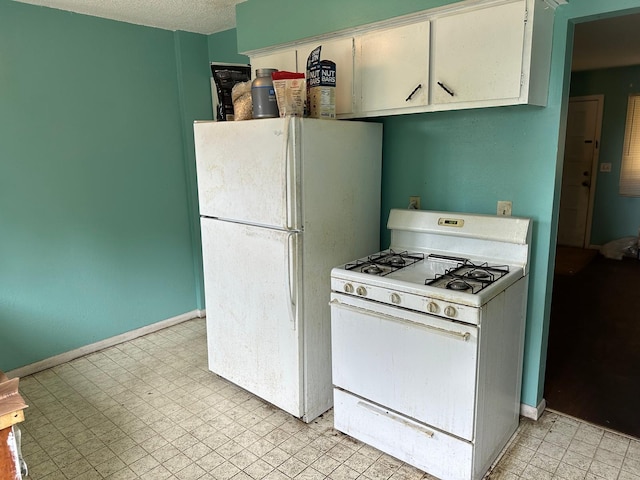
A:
{"x": 292, "y": 277}
{"x": 291, "y": 203}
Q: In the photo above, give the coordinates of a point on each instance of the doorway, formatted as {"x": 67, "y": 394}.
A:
{"x": 593, "y": 356}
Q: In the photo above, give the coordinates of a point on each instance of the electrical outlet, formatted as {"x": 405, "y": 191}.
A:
{"x": 414, "y": 203}
{"x": 504, "y": 207}
{"x": 605, "y": 167}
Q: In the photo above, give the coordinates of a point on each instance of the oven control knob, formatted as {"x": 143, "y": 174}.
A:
{"x": 361, "y": 291}
{"x": 432, "y": 307}
{"x": 450, "y": 311}
{"x": 395, "y": 298}
{"x": 348, "y": 288}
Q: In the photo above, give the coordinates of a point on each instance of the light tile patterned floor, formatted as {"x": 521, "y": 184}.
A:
{"x": 150, "y": 409}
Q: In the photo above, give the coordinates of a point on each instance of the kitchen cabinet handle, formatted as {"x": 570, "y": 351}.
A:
{"x": 413, "y": 93}
{"x": 443, "y": 86}
{"x": 464, "y": 336}
{"x": 397, "y": 418}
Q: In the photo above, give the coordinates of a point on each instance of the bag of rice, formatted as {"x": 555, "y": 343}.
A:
{"x": 241, "y": 97}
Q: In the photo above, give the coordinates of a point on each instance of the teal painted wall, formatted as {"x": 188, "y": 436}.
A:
{"x": 507, "y": 153}
{"x": 96, "y": 227}
{"x": 223, "y": 47}
{"x": 194, "y": 95}
{"x": 261, "y": 24}
{"x": 614, "y": 216}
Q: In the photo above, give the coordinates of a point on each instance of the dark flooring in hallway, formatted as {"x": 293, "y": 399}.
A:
{"x": 593, "y": 362}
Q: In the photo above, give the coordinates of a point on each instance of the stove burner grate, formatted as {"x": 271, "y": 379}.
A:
{"x": 468, "y": 276}
{"x": 385, "y": 262}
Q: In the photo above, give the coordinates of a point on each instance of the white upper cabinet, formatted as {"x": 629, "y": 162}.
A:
{"x": 280, "y": 60}
{"x": 477, "y": 56}
{"x": 468, "y": 54}
{"x": 392, "y": 68}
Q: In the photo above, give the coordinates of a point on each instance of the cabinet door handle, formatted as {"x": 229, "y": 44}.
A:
{"x": 443, "y": 86}
{"x": 413, "y": 93}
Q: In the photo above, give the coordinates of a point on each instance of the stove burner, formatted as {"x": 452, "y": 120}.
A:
{"x": 373, "y": 269}
{"x": 396, "y": 261}
{"x": 458, "y": 285}
{"x": 481, "y": 275}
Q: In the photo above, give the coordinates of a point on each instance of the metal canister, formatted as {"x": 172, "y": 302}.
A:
{"x": 263, "y": 95}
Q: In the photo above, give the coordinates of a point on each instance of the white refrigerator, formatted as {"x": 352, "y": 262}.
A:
{"x": 282, "y": 201}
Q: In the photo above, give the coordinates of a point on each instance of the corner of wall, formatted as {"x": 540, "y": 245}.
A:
{"x": 223, "y": 47}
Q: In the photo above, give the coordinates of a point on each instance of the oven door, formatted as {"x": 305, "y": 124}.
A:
{"x": 418, "y": 365}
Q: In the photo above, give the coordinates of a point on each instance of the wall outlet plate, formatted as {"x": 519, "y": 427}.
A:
{"x": 414, "y": 202}
{"x": 504, "y": 207}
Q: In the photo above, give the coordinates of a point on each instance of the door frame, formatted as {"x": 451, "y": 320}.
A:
{"x": 594, "y": 164}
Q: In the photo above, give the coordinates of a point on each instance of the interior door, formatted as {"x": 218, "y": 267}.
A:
{"x": 578, "y": 177}
{"x": 253, "y": 336}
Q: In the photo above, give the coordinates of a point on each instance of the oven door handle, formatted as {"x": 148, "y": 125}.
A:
{"x": 397, "y": 418}
{"x": 464, "y": 336}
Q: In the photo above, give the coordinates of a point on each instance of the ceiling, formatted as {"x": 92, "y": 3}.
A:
{"x": 612, "y": 42}
{"x": 605, "y": 43}
{"x": 199, "y": 16}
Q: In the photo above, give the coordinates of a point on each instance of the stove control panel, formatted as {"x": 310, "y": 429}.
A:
{"x": 413, "y": 301}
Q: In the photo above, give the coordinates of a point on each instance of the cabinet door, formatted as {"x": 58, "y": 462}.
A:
{"x": 281, "y": 60}
{"x": 477, "y": 55}
{"x": 393, "y": 68}
{"x": 341, "y": 52}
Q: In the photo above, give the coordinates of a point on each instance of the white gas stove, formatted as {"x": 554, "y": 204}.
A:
{"x": 427, "y": 340}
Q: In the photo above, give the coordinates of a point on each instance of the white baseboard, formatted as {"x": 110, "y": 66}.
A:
{"x": 534, "y": 413}
{"x": 101, "y": 345}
